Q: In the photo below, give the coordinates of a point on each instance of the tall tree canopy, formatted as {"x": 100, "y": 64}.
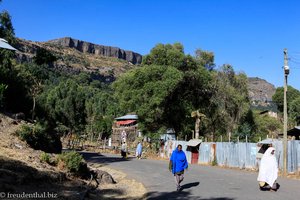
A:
{"x": 291, "y": 95}
{"x": 206, "y": 59}
{"x": 165, "y": 89}
{"x": 144, "y": 91}
{"x": 229, "y": 103}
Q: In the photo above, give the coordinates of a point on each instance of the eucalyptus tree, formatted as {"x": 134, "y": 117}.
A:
{"x": 99, "y": 107}
{"x": 229, "y": 102}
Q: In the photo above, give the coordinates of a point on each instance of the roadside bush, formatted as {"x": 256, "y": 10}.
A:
{"x": 3, "y": 87}
{"x": 40, "y": 137}
{"x": 73, "y": 162}
{"x": 48, "y": 158}
{"x": 44, "y": 157}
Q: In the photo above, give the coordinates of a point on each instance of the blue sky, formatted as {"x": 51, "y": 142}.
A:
{"x": 250, "y": 35}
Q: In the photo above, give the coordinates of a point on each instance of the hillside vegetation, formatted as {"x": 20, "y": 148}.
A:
{"x": 71, "y": 60}
{"x": 71, "y": 87}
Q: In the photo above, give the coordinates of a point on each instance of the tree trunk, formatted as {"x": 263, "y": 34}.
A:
{"x": 197, "y": 126}
{"x": 33, "y": 108}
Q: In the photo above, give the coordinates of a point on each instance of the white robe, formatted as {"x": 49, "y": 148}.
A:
{"x": 268, "y": 169}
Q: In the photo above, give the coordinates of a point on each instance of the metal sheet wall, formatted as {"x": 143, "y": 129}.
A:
{"x": 242, "y": 155}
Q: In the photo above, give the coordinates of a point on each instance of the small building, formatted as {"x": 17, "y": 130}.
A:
{"x": 270, "y": 113}
{"x": 4, "y": 45}
{"x": 169, "y": 135}
{"x": 293, "y": 133}
{"x": 124, "y": 128}
{"x": 193, "y": 147}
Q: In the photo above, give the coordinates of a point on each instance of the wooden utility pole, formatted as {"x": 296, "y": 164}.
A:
{"x": 286, "y": 72}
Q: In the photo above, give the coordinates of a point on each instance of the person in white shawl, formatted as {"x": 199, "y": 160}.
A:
{"x": 268, "y": 171}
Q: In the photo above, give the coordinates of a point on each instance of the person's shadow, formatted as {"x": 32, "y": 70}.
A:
{"x": 189, "y": 185}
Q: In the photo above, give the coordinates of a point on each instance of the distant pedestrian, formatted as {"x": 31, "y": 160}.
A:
{"x": 268, "y": 171}
{"x": 124, "y": 150}
{"x": 139, "y": 150}
{"x": 178, "y": 163}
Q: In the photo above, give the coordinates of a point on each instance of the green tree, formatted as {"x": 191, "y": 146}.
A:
{"x": 65, "y": 103}
{"x": 165, "y": 90}
{"x": 34, "y": 77}
{"x": 6, "y": 32}
{"x": 294, "y": 110}
{"x": 15, "y": 91}
{"x": 6, "y": 27}
{"x": 99, "y": 109}
{"x": 291, "y": 95}
{"x": 170, "y": 55}
{"x": 44, "y": 56}
{"x": 144, "y": 91}
{"x": 266, "y": 125}
{"x": 229, "y": 102}
{"x": 206, "y": 59}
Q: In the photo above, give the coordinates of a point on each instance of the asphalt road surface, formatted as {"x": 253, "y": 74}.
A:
{"x": 200, "y": 182}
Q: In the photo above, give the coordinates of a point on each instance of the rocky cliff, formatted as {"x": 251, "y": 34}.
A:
{"x": 107, "y": 51}
{"x": 74, "y": 56}
{"x": 260, "y": 92}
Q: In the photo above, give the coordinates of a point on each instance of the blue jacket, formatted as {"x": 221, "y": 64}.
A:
{"x": 178, "y": 160}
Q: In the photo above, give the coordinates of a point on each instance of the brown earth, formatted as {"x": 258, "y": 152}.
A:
{"x": 22, "y": 171}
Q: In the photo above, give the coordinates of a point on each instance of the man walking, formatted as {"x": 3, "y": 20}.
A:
{"x": 177, "y": 165}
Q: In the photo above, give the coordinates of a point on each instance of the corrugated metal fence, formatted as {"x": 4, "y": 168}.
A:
{"x": 242, "y": 155}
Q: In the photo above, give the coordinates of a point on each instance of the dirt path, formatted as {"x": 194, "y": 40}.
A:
{"x": 125, "y": 188}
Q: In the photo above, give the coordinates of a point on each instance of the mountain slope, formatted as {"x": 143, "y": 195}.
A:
{"x": 74, "y": 56}
{"x": 260, "y": 93}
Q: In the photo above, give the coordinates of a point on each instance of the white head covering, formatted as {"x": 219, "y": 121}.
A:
{"x": 268, "y": 169}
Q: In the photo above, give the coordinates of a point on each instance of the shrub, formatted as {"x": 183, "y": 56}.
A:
{"x": 40, "y": 137}
{"x": 73, "y": 162}
{"x": 44, "y": 157}
{"x": 3, "y": 87}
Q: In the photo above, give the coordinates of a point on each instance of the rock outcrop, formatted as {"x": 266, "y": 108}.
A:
{"x": 260, "y": 92}
{"x": 107, "y": 51}
{"x": 260, "y": 89}
{"x": 75, "y": 56}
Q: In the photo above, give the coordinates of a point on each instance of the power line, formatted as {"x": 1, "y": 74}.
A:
{"x": 296, "y": 62}
{"x": 292, "y": 57}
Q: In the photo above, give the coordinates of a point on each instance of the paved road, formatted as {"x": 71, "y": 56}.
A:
{"x": 201, "y": 182}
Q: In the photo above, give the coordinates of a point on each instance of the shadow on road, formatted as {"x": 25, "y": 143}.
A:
{"x": 101, "y": 159}
{"x": 189, "y": 185}
{"x": 182, "y": 195}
